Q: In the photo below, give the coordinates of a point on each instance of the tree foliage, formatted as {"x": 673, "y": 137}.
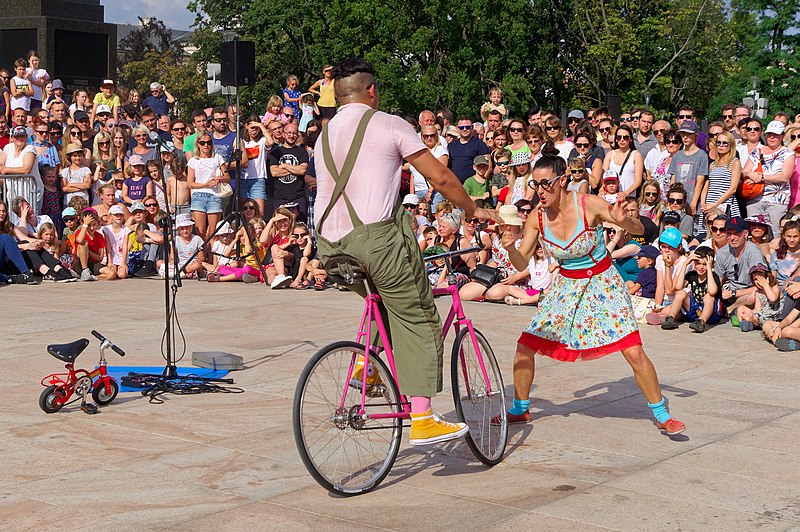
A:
{"x": 550, "y": 53}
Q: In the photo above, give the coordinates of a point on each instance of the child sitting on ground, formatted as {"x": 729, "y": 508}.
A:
{"x": 701, "y": 305}
{"x": 540, "y": 268}
{"x": 187, "y": 245}
{"x": 89, "y": 250}
{"x": 117, "y": 242}
{"x": 70, "y": 219}
{"x": 50, "y": 243}
{"x": 434, "y": 269}
{"x": 222, "y": 249}
{"x": 249, "y": 272}
{"x": 304, "y": 252}
{"x": 646, "y": 282}
{"x": 428, "y": 237}
{"x": 769, "y": 300}
{"x": 278, "y": 237}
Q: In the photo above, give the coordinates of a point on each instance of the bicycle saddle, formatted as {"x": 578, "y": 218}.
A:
{"x": 346, "y": 270}
{"x": 68, "y": 352}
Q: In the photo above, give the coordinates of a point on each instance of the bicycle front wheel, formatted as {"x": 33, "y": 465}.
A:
{"x": 346, "y": 453}
{"x": 479, "y": 397}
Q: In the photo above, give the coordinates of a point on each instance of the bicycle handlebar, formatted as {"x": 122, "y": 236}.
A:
{"x": 105, "y": 340}
{"x": 455, "y": 253}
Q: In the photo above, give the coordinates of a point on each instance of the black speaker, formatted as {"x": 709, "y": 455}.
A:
{"x": 614, "y": 104}
{"x": 238, "y": 63}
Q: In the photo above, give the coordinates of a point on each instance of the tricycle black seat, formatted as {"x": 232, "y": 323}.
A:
{"x": 68, "y": 352}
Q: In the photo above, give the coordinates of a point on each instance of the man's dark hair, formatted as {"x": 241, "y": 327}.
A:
{"x": 447, "y": 114}
{"x": 704, "y": 252}
{"x": 494, "y": 112}
{"x": 146, "y": 111}
{"x": 602, "y": 111}
{"x": 220, "y": 109}
{"x": 728, "y": 107}
{"x": 533, "y": 111}
{"x": 350, "y": 66}
{"x": 198, "y": 112}
{"x": 464, "y": 117}
{"x": 686, "y": 108}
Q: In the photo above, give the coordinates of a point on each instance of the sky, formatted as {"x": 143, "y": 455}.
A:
{"x": 172, "y": 12}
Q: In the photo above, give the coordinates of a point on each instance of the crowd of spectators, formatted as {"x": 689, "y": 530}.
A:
{"x": 720, "y": 207}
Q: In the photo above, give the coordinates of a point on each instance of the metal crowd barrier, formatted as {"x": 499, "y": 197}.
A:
{"x": 19, "y": 185}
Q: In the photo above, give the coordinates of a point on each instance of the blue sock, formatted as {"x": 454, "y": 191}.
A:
{"x": 660, "y": 411}
{"x": 520, "y": 407}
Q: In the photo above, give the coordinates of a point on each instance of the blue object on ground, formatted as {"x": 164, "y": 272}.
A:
{"x": 122, "y": 371}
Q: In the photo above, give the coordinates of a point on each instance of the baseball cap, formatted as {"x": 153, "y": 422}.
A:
{"x": 136, "y": 206}
{"x": 410, "y": 199}
{"x": 18, "y": 131}
{"x": 671, "y": 217}
{"x": 480, "y": 159}
{"x": 80, "y": 115}
{"x": 107, "y": 83}
{"x": 610, "y": 175}
{"x": 155, "y": 85}
{"x": 648, "y": 251}
{"x": 103, "y": 109}
{"x": 736, "y": 223}
{"x": 136, "y": 160}
{"x": 689, "y": 126}
{"x": 57, "y": 84}
{"x": 759, "y": 268}
{"x": 224, "y": 228}
{"x": 184, "y": 220}
{"x": 776, "y": 126}
{"x": 69, "y": 211}
{"x": 116, "y": 209}
{"x": 576, "y": 114}
{"x": 671, "y": 237}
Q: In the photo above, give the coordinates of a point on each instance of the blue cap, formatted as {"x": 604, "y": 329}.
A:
{"x": 648, "y": 251}
{"x": 737, "y": 224}
{"x": 671, "y": 237}
{"x": 69, "y": 211}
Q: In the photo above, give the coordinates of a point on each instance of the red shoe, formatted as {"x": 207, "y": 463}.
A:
{"x": 513, "y": 419}
{"x": 671, "y": 427}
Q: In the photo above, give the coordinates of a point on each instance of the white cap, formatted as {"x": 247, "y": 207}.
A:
{"x": 184, "y": 220}
{"x": 776, "y": 126}
{"x": 103, "y": 108}
{"x": 224, "y": 228}
{"x": 410, "y": 199}
{"x": 116, "y": 209}
{"x": 155, "y": 85}
{"x": 610, "y": 174}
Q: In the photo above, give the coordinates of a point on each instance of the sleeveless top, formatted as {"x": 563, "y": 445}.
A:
{"x": 584, "y": 250}
{"x": 327, "y": 97}
{"x": 719, "y": 180}
{"x": 626, "y": 174}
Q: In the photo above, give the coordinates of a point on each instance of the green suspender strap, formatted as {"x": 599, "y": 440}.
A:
{"x": 341, "y": 178}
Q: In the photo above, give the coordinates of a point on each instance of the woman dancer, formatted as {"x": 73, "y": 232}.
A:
{"x": 586, "y": 314}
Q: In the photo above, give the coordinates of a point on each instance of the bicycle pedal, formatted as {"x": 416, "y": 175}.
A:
{"x": 89, "y": 408}
{"x": 372, "y": 390}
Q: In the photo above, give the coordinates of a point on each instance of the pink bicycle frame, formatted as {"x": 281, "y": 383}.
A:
{"x": 455, "y": 318}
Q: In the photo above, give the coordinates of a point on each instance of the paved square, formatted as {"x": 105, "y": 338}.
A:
{"x": 592, "y": 459}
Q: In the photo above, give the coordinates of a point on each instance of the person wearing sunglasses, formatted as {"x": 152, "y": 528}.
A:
{"x": 605, "y": 130}
{"x": 626, "y": 161}
{"x": 587, "y": 314}
{"x": 650, "y": 203}
{"x": 517, "y": 132}
{"x": 464, "y": 150}
{"x": 159, "y": 99}
{"x": 204, "y": 173}
{"x": 715, "y": 225}
{"x": 724, "y": 174}
{"x": 686, "y": 113}
{"x": 676, "y": 209}
{"x": 772, "y": 165}
{"x": 501, "y": 176}
{"x": 554, "y": 130}
{"x": 418, "y": 185}
{"x": 750, "y": 130}
{"x": 591, "y": 156}
{"x": 689, "y": 167}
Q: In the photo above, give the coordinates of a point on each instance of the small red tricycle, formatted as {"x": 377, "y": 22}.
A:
{"x": 61, "y": 387}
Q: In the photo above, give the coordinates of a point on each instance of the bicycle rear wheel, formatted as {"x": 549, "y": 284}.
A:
{"x": 345, "y": 454}
{"x": 479, "y": 398}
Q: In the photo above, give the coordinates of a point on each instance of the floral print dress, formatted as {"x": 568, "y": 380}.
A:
{"x": 582, "y": 318}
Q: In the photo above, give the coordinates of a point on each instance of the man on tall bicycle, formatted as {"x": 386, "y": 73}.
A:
{"x": 358, "y": 162}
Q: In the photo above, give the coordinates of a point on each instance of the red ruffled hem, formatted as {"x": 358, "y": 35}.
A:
{"x": 559, "y": 351}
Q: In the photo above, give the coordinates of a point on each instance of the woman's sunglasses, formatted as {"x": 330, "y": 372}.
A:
{"x": 546, "y": 184}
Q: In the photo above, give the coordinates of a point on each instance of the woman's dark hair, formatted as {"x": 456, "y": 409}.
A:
{"x": 585, "y": 128}
{"x": 6, "y": 227}
{"x": 677, "y": 188}
{"x": 671, "y": 135}
{"x": 628, "y": 129}
{"x": 551, "y": 160}
{"x": 783, "y": 248}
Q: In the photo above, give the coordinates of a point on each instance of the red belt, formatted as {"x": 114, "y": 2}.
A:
{"x": 600, "y": 267}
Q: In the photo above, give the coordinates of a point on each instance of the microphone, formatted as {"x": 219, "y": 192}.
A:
{"x": 155, "y": 138}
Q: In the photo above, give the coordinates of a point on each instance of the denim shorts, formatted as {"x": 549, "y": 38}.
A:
{"x": 206, "y": 202}
{"x": 251, "y": 188}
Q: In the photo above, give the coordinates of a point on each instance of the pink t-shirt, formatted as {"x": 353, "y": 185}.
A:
{"x": 794, "y": 183}
{"x": 374, "y": 185}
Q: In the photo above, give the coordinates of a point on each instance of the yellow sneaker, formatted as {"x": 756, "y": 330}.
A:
{"x": 373, "y": 379}
{"x": 427, "y": 428}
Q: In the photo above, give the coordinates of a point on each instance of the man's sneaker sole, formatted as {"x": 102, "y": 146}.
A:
{"x": 282, "y": 284}
{"x": 441, "y": 438}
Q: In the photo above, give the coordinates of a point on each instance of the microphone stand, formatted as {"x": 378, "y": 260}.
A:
{"x": 157, "y": 384}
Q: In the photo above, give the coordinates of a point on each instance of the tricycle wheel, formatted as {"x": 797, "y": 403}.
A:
{"x": 99, "y": 393}
{"x": 47, "y": 401}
